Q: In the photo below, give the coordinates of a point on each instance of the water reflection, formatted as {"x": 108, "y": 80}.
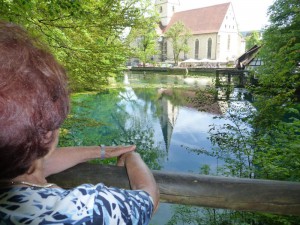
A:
{"x": 168, "y": 118}
{"x": 177, "y": 125}
{"x": 164, "y": 115}
{"x": 159, "y": 80}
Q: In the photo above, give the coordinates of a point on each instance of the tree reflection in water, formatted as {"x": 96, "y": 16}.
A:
{"x": 163, "y": 115}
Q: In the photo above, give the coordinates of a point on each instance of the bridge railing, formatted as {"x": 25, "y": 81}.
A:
{"x": 278, "y": 197}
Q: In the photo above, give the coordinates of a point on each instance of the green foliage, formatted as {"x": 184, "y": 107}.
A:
{"x": 253, "y": 39}
{"x": 143, "y": 40}
{"x": 85, "y": 36}
{"x": 278, "y": 94}
{"x": 279, "y": 77}
{"x": 179, "y": 35}
{"x": 277, "y": 153}
{"x": 234, "y": 140}
{"x": 209, "y": 216}
{"x": 205, "y": 169}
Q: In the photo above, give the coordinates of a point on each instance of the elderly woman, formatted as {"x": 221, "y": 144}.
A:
{"x": 33, "y": 104}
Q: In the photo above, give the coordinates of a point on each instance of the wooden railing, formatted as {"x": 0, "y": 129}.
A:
{"x": 269, "y": 196}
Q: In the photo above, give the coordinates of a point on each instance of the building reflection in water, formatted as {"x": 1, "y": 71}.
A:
{"x": 170, "y": 100}
{"x": 167, "y": 119}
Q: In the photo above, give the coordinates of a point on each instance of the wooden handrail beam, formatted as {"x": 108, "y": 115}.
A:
{"x": 269, "y": 196}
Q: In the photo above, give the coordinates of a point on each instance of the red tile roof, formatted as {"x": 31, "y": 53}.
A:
{"x": 202, "y": 20}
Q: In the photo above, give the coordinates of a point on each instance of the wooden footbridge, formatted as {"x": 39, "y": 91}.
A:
{"x": 235, "y": 77}
{"x": 278, "y": 197}
{"x": 243, "y": 76}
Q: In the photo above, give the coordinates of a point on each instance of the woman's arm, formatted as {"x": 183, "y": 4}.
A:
{"x": 140, "y": 176}
{"x": 67, "y": 157}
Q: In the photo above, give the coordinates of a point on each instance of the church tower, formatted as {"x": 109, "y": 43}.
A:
{"x": 166, "y": 9}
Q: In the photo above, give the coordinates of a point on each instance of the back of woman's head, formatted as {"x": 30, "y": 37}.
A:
{"x": 33, "y": 100}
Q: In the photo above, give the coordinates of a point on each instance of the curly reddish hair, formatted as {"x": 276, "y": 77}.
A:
{"x": 34, "y": 100}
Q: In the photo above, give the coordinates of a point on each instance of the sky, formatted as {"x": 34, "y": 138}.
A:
{"x": 250, "y": 14}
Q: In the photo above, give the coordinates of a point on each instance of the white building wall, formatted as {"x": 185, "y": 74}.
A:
{"x": 229, "y": 50}
{"x": 203, "y": 47}
{"x": 221, "y": 50}
{"x": 227, "y": 44}
{"x": 166, "y": 9}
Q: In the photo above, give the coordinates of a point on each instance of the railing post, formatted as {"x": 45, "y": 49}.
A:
{"x": 217, "y": 78}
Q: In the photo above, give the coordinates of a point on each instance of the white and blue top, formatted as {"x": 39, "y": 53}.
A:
{"x": 85, "y": 204}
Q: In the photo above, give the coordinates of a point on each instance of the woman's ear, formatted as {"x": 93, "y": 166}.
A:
{"x": 48, "y": 137}
{"x": 53, "y": 140}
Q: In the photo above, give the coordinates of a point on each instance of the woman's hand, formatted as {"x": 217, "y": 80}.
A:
{"x": 116, "y": 151}
{"x": 122, "y": 158}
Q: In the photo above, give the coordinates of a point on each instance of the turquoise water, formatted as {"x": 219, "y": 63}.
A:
{"x": 156, "y": 113}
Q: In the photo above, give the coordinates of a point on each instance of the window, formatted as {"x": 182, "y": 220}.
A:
{"x": 209, "y": 44}
{"x": 196, "y": 49}
{"x": 160, "y": 9}
{"x": 165, "y": 51}
{"x": 185, "y": 52}
{"x": 228, "y": 43}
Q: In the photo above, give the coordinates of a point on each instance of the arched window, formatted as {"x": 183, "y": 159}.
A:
{"x": 196, "y": 49}
{"x": 209, "y": 44}
{"x": 160, "y": 9}
{"x": 228, "y": 43}
{"x": 185, "y": 52}
{"x": 164, "y": 51}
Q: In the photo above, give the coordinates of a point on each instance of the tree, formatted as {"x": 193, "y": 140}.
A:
{"x": 143, "y": 40}
{"x": 277, "y": 97}
{"x": 179, "y": 35}
{"x": 269, "y": 149}
{"x": 253, "y": 39}
{"x": 279, "y": 77}
{"x": 85, "y": 36}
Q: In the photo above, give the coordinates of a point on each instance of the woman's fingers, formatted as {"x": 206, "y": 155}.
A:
{"x": 121, "y": 161}
{"x": 122, "y": 158}
{"x": 116, "y": 151}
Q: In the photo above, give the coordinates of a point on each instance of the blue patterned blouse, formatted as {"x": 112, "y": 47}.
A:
{"x": 85, "y": 204}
